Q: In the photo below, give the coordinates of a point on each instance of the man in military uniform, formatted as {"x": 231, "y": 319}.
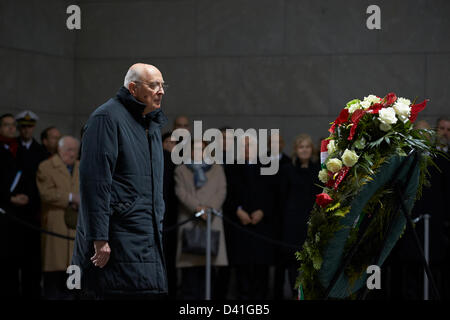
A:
{"x": 29, "y": 154}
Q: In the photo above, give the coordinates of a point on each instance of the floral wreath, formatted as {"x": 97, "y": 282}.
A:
{"x": 368, "y": 139}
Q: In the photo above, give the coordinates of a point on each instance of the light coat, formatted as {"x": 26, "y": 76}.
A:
{"x": 55, "y": 183}
{"x": 211, "y": 194}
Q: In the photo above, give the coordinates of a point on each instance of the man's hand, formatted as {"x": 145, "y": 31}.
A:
{"x": 76, "y": 199}
{"x": 257, "y": 216}
{"x": 101, "y": 256}
{"x": 20, "y": 199}
{"x": 243, "y": 216}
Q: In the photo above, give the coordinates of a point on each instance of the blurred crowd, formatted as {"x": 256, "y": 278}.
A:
{"x": 40, "y": 189}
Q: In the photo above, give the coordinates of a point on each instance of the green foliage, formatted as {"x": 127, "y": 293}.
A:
{"x": 374, "y": 147}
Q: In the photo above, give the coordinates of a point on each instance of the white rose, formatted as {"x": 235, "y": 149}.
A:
{"x": 323, "y": 175}
{"x": 385, "y": 127}
{"x": 349, "y": 158}
{"x": 331, "y": 146}
{"x": 404, "y": 101}
{"x": 334, "y": 165}
{"x": 366, "y": 104}
{"x": 387, "y": 116}
{"x": 354, "y": 107}
{"x": 372, "y": 99}
{"x": 402, "y": 110}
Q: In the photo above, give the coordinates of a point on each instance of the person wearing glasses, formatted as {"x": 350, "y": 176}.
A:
{"x": 118, "y": 245}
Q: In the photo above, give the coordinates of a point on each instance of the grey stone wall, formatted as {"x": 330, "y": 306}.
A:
{"x": 37, "y": 62}
{"x": 288, "y": 64}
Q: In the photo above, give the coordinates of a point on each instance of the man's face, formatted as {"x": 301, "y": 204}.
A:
{"x": 69, "y": 151}
{"x": 197, "y": 148}
{"x": 168, "y": 144}
{"x": 51, "y": 143}
{"x": 149, "y": 89}
{"x": 443, "y": 130}
{"x": 251, "y": 148}
{"x": 275, "y": 143}
{"x": 8, "y": 127}
{"x": 181, "y": 123}
{"x": 26, "y": 132}
{"x": 227, "y": 140}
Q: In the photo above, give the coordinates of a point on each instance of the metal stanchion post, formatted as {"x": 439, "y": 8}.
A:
{"x": 426, "y": 244}
{"x": 208, "y": 255}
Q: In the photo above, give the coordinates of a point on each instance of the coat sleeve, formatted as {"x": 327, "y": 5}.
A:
{"x": 221, "y": 189}
{"x": 186, "y": 198}
{"x": 98, "y": 160}
{"x": 48, "y": 190}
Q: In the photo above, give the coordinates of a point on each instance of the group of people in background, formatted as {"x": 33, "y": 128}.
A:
{"x": 264, "y": 224}
{"x": 39, "y": 188}
{"x": 276, "y": 208}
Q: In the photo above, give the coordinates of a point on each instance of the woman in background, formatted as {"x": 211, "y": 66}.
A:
{"x": 297, "y": 194}
{"x": 199, "y": 186}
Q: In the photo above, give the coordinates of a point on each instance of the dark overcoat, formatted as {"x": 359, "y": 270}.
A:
{"x": 121, "y": 187}
{"x": 250, "y": 190}
{"x": 298, "y": 192}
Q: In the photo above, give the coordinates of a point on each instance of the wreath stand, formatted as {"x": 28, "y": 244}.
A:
{"x": 399, "y": 186}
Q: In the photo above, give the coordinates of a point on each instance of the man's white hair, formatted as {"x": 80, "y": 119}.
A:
{"x": 62, "y": 140}
{"x": 132, "y": 75}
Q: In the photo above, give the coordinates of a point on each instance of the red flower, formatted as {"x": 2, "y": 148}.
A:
{"x": 323, "y": 145}
{"x": 415, "y": 109}
{"x": 323, "y": 199}
{"x": 356, "y": 116}
{"x": 389, "y": 99}
{"x": 342, "y": 118}
{"x": 375, "y": 108}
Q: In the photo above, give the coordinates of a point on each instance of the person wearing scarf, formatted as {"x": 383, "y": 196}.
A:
{"x": 199, "y": 171}
{"x": 199, "y": 186}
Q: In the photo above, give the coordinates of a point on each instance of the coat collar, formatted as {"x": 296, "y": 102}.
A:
{"x": 135, "y": 107}
{"x": 60, "y": 165}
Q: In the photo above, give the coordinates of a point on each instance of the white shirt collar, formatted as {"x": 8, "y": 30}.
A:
{"x": 27, "y": 144}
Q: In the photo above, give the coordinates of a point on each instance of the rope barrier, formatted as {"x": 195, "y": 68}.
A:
{"x": 33, "y": 227}
{"x": 168, "y": 229}
{"x": 258, "y": 235}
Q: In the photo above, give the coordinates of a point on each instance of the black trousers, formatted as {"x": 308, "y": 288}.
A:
{"x": 133, "y": 297}
{"x": 20, "y": 271}
{"x": 252, "y": 281}
{"x": 55, "y": 287}
{"x": 193, "y": 283}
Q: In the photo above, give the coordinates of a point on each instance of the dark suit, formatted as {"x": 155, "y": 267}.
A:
{"x": 18, "y": 249}
{"x": 297, "y": 196}
{"x": 250, "y": 255}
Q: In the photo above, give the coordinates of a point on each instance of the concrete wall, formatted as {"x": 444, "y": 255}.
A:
{"x": 288, "y": 64}
{"x": 37, "y": 62}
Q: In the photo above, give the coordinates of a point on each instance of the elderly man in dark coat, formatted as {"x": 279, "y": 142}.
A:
{"x": 118, "y": 243}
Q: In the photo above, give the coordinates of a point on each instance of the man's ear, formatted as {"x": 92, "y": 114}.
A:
{"x": 132, "y": 88}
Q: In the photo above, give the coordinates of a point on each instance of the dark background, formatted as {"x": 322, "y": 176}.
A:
{"x": 289, "y": 64}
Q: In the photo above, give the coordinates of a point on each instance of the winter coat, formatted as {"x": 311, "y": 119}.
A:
{"x": 252, "y": 191}
{"x": 121, "y": 187}
{"x": 55, "y": 183}
{"x": 211, "y": 194}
